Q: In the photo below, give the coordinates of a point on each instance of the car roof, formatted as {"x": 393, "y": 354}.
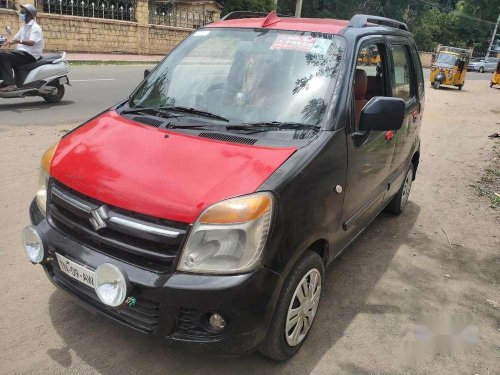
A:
{"x": 320, "y": 25}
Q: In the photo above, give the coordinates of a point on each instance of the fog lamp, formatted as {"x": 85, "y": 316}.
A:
{"x": 110, "y": 285}
{"x": 217, "y": 322}
{"x": 33, "y": 244}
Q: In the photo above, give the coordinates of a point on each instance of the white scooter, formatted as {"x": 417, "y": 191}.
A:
{"x": 45, "y": 77}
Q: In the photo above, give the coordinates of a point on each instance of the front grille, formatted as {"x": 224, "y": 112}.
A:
{"x": 193, "y": 325}
{"x": 143, "y": 316}
{"x": 148, "y": 242}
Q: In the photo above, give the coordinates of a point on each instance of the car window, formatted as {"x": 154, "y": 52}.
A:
{"x": 369, "y": 77}
{"x": 401, "y": 82}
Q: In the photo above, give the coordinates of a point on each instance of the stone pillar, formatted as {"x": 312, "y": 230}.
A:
{"x": 142, "y": 18}
{"x": 142, "y": 12}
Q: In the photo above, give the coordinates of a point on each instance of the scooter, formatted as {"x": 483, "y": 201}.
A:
{"x": 45, "y": 77}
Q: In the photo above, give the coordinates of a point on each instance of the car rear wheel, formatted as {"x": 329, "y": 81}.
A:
{"x": 398, "y": 203}
{"x": 481, "y": 69}
{"x": 296, "y": 308}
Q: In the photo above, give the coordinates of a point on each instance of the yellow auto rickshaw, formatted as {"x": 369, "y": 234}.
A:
{"x": 449, "y": 67}
{"x": 495, "y": 80}
{"x": 369, "y": 56}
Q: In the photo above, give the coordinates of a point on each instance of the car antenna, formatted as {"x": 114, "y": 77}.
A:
{"x": 271, "y": 19}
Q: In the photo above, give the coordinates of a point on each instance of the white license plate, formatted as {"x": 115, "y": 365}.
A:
{"x": 74, "y": 270}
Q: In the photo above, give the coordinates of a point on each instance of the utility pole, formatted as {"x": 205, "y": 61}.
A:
{"x": 298, "y": 8}
{"x": 493, "y": 38}
{"x": 275, "y": 4}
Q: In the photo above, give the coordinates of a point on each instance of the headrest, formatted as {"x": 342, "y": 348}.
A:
{"x": 360, "y": 84}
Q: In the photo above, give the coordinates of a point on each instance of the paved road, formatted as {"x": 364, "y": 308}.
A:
{"x": 94, "y": 88}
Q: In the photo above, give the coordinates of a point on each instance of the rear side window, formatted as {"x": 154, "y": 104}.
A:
{"x": 401, "y": 81}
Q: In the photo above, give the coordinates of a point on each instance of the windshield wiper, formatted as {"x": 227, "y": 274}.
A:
{"x": 155, "y": 110}
{"x": 269, "y": 125}
{"x": 195, "y": 111}
{"x": 165, "y": 111}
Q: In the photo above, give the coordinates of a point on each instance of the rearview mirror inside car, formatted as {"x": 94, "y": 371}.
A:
{"x": 382, "y": 113}
{"x": 146, "y": 73}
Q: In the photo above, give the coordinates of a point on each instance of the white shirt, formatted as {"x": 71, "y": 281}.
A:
{"x": 31, "y": 31}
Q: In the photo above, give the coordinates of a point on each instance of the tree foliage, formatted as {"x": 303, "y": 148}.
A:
{"x": 460, "y": 23}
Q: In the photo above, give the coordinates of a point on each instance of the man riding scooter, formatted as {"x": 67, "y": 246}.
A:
{"x": 29, "y": 48}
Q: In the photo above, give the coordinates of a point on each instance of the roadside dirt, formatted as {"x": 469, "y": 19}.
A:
{"x": 441, "y": 257}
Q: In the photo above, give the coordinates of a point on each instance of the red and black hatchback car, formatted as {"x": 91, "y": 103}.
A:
{"x": 205, "y": 208}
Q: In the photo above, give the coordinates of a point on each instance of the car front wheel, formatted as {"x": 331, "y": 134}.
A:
{"x": 481, "y": 70}
{"x": 296, "y": 308}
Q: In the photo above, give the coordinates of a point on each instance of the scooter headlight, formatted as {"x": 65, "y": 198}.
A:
{"x": 43, "y": 177}
{"x": 229, "y": 237}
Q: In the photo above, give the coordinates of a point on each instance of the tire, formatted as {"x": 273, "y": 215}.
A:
{"x": 491, "y": 84}
{"x": 277, "y": 344}
{"x": 57, "y": 97}
{"x": 460, "y": 87}
{"x": 481, "y": 69}
{"x": 436, "y": 84}
{"x": 397, "y": 205}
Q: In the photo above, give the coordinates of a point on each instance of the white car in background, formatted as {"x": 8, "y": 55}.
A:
{"x": 484, "y": 64}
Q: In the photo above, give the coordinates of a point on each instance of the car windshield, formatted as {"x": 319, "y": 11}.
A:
{"x": 248, "y": 75}
{"x": 447, "y": 59}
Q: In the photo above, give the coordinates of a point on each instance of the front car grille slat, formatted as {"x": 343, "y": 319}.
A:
{"x": 127, "y": 235}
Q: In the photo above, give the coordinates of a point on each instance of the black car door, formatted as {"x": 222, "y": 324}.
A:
{"x": 403, "y": 85}
{"x": 369, "y": 153}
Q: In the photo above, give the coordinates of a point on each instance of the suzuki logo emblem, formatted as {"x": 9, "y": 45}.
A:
{"x": 98, "y": 215}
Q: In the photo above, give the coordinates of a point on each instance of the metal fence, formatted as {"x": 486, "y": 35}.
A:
{"x": 7, "y": 4}
{"x": 164, "y": 13}
{"x": 110, "y": 9}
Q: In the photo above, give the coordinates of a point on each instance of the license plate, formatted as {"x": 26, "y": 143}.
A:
{"x": 74, "y": 270}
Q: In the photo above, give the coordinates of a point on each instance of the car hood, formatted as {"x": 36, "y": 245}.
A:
{"x": 158, "y": 172}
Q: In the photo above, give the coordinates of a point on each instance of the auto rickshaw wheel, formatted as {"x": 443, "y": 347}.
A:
{"x": 460, "y": 86}
{"x": 491, "y": 84}
{"x": 436, "y": 84}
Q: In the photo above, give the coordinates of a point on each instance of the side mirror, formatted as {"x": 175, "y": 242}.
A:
{"x": 147, "y": 72}
{"x": 8, "y": 30}
{"x": 382, "y": 113}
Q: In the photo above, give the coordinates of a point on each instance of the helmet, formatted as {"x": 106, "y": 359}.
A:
{"x": 30, "y": 8}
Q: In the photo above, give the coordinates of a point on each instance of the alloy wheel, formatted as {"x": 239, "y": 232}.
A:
{"x": 303, "y": 307}
{"x": 406, "y": 187}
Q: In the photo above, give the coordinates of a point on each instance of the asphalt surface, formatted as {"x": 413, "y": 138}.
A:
{"x": 94, "y": 88}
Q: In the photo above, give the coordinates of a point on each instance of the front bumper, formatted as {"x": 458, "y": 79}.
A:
{"x": 172, "y": 306}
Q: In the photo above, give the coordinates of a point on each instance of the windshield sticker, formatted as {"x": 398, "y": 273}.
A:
{"x": 294, "y": 42}
{"x": 302, "y": 43}
{"x": 201, "y": 33}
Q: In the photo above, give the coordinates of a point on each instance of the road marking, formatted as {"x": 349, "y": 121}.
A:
{"x": 92, "y": 80}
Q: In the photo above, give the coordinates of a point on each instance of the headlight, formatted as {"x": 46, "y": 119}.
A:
{"x": 229, "y": 237}
{"x": 110, "y": 285}
{"x": 43, "y": 177}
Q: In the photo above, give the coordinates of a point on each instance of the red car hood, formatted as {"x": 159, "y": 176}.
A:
{"x": 157, "y": 172}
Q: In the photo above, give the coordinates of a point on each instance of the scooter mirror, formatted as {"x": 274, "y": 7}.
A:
{"x": 8, "y": 29}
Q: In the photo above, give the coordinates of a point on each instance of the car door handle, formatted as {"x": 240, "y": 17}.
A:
{"x": 389, "y": 135}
